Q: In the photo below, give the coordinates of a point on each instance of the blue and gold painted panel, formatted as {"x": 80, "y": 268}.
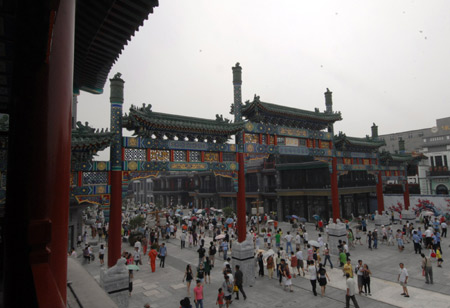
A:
{"x": 90, "y": 190}
{"x": 179, "y": 166}
{"x": 92, "y": 166}
{"x": 345, "y": 167}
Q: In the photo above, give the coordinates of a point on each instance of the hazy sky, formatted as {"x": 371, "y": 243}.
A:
{"x": 385, "y": 61}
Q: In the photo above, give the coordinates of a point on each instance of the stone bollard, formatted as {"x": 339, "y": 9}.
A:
{"x": 243, "y": 254}
{"x": 336, "y": 232}
{"x": 115, "y": 281}
{"x": 381, "y": 220}
{"x": 408, "y": 215}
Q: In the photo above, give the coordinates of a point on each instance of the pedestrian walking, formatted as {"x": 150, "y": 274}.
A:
{"x": 287, "y": 278}
{"x": 439, "y": 257}
{"x": 359, "y": 272}
{"x": 326, "y": 256}
{"x": 227, "y": 287}
{"x": 270, "y": 266}
{"x": 220, "y": 298}
{"x": 212, "y": 253}
{"x": 427, "y": 269}
{"x": 348, "y": 269}
{"x": 312, "y": 270}
{"x": 152, "y": 257}
{"x": 400, "y": 243}
{"x": 188, "y": 277}
{"x": 444, "y": 229}
{"x": 101, "y": 254}
{"x": 198, "y": 295}
{"x": 369, "y": 239}
{"x": 299, "y": 256}
{"x": 260, "y": 264}
{"x": 294, "y": 262}
{"x": 207, "y": 267}
{"x": 416, "y": 241}
{"x": 238, "y": 281}
{"x": 201, "y": 254}
{"x": 350, "y": 283}
{"x": 224, "y": 249}
{"x": 288, "y": 237}
{"x": 183, "y": 240}
{"x": 366, "y": 279}
{"x": 403, "y": 279}
{"x": 162, "y": 254}
{"x": 323, "y": 276}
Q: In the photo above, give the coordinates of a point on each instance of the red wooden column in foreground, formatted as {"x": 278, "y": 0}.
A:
{"x": 380, "y": 198}
{"x": 406, "y": 194}
{"x": 334, "y": 190}
{"x": 37, "y": 202}
{"x": 241, "y": 223}
{"x": 115, "y": 209}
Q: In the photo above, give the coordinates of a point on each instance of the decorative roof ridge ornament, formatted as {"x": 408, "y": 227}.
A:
{"x": 255, "y": 99}
{"x": 117, "y": 76}
{"x": 220, "y": 118}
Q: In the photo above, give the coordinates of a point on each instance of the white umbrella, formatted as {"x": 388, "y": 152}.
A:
{"x": 199, "y": 211}
{"x": 178, "y": 215}
{"x": 314, "y": 243}
{"x": 268, "y": 253}
{"x": 270, "y": 221}
{"x": 186, "y": 217}
{"x": 220, "y": 236}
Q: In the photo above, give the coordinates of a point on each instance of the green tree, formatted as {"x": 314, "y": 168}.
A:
{"x": 136, "y": 222}
{"x": 227, "y": 211}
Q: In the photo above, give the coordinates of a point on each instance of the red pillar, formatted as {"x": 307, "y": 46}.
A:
{"x": 37, "y": 204}
{"x": 380, "y": 198}
{"x": 334, "y": 191}
{"x": 241, "y": 223}
{"x": 115, "y": 219}
{"x": 406, "y": 194}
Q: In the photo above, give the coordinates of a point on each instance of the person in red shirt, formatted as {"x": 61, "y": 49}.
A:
{"x": 220, "y": 297}
{"x": 198, "y": 295}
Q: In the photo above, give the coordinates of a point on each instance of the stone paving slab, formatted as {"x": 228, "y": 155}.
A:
{"x": 383, "y": 263}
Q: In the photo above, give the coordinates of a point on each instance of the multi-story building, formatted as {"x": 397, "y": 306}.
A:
{"x": 432, "y": 174}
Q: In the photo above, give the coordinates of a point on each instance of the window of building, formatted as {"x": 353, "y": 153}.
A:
{"x": 410, "y": 135}
{"x": 392, "y": 137}
{"x": 420, "y": 134}
{"x": 438, "y": 161}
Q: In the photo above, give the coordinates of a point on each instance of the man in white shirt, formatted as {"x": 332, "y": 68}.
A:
{"x": 403, "y": 279}
{"x": 443, "y": 229}
{"x": 299, "y": 256}
{"x": 347, "y": 252}
{"x": 350, "y": 292}
{"x": 137, "y": 245}
{"x": 288, "y": 239}
{"x": 305, "y": 239}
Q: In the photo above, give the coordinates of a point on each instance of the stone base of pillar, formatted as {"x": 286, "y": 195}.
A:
{"x": 408, "y": 215}
{"x": 243, "y": 254}
{"x": 381, "y": 220}
{"x": 115, "y": 281}
{"x": 336, "y": 232}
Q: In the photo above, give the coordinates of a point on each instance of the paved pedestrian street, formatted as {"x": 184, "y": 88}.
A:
{"x": 165, "y": 287}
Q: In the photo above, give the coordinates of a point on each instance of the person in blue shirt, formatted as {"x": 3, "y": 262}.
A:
{"x": 416, "y": 239}
{"x": 162, "y": 255}
{"x": 437, "y": 241}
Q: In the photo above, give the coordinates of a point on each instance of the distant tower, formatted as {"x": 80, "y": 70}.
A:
{"x": 329, "y": 106}
{"x": 237, "y": 83}
{"x": 374, "y": 131}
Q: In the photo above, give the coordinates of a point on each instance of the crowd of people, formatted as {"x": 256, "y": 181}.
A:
{"x": 282, "y": 254}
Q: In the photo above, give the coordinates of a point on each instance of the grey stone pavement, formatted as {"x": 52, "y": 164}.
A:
{"x": 165, "y": 288}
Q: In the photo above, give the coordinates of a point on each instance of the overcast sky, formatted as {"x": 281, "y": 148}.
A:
{"x": 385, "y": 61}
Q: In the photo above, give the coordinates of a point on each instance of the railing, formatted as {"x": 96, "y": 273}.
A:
{"x": 438, "y": 171}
